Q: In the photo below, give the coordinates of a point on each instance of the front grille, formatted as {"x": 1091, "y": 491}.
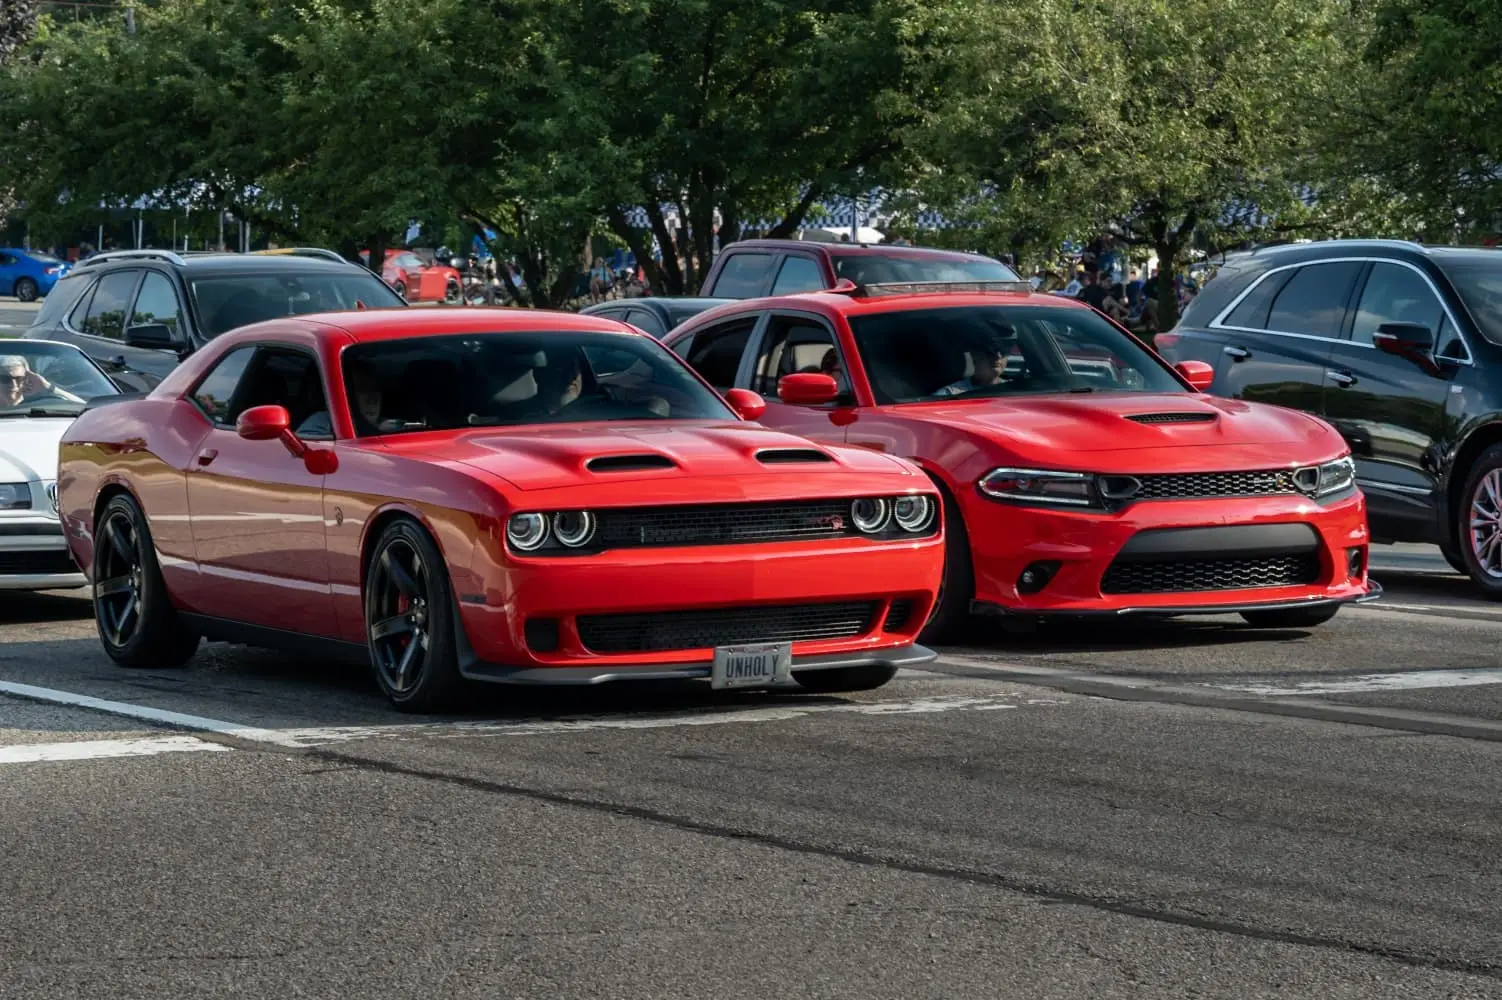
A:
{"x": 699, "y": 629}
{"x": 1171, "y": 577}
{"x": 1197, "y": 485}
{"x": 718, "y": 524}
{"x": 45, "y": 561}
{"x": 1172, "y": 418}
{"x": 897, "y": 616}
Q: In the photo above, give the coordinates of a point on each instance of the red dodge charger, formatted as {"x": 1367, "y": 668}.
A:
{"x": 1081, "y": 474}
{"x": 495, "y": 495}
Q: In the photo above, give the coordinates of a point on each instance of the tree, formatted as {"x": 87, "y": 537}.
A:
{"x": 18, "y": 20}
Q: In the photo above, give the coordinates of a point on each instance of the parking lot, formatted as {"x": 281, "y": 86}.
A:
{"x": 1169, "y": 811}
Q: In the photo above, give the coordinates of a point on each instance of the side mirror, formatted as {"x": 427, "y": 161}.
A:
{"x": 263, "y": 423}
{"x": 1199, "y": 375}
{"x": 1411, "y": 341}
{"x": 808, "y": 389}
{"x": 151, "y": 336}
{"x": 747, "y": 404}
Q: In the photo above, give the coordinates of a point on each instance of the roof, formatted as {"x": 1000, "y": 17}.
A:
{"x": 215, "y": 263}
{"x": 872, "y": 249}
{"x": 398, "y": 322}
{"x": 856, "y": 304}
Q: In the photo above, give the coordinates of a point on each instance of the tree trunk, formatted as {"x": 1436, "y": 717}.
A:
{"x": 1168, "y": 298}
{"x": 672, "y": 274}
{"x": 377, "y": 259}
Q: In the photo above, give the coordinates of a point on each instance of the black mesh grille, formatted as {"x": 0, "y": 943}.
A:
{"x": 1190, "y": 485}
{"x": 47, "y": 561}
{"x": 1210, "y": 574}
{"x": 700, "y": 629}
{"x": 1172, "y": 418}
{"x": 898, "y": 616}
{"x": 724, "y": 523}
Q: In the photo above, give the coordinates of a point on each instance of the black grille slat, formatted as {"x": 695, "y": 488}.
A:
{"x": 43, "y": 561}
{"x": 898, "y": 616}
{"x": 1205, "y": 485}
{"x": 1189, "y": 575}
{"x": 724, "y": 524}
{"x": 703, "y": 628}
{"x": 1172, "y": 418}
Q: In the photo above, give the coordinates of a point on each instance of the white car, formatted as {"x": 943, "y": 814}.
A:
{"x": 43, "y": 386}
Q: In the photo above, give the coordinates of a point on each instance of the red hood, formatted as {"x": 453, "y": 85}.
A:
{"x": 557, "y": 456}
{"x": 1048, "y": 429}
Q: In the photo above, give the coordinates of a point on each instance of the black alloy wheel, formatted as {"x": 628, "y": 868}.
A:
{"x": 1479, "y": 526}
{"x": 409, "y": 621}
{"x": 138, "y": 625}
{"x": 26, "y": 290}
{"x": 452, "y": 294}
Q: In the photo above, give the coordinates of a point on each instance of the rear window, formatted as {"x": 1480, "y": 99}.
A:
{"x": 227, "y": 302}
{"x": 64, "y": 295}
{"x": 874, "y": 269}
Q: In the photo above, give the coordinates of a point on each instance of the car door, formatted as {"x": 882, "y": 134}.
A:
{"x": 1280, "y": 331}
{"x": 99, "y": 324}
{"x": 156, "y": 302}
{"x": 255, "y": 510}
{"x": 717, "y": 351}
{"x": 1391, "y": 411}
{"x": 790, "y": 343}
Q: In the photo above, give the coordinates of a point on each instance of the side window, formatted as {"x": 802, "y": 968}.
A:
{"x": 716, "y": 352}
{"x": 1395, "y": 294}
{"x": 215, "y": 395}
{"x": 744, "y": 276}
{"x": 795, "y": 345}
{"x": 157, "y": 302}
{"x": 1449, "y": 343}
{"x": 648, "y": 321}
{"x": 9, "y": 260}
{"x": 1314, "y": 300}
{"x": 284, "y": 376}
{"x": 81, "y": 311}
{"x": 1251, "y": 312}
{"x": 106, "y": 315}
{"x": 798, "y": 274}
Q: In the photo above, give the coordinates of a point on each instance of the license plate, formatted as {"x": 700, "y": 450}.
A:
{"x": 751, "y": 666}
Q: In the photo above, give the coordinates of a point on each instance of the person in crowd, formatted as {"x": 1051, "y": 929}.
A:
{"x": 20, "y": 386}
{"x": 1075, "y": 286}
{"x": 1115, "y": 304}
{"x": 1095, "y": 290}
{"x": 601, "y": 281}
{"x": 1134, "y": 290}
{"x": 1146, "y": 325}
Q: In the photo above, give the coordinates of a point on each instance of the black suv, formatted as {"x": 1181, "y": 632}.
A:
{"x": 138, "y": 313}
{"x": 1397, "y": 345}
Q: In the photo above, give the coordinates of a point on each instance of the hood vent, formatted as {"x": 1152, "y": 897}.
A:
{"x": 1172, "y": 418}
{"x": 629, "y": 463}
{"x": 790, "y": 456}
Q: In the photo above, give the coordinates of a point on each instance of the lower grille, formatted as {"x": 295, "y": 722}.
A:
{"x": 1197, "y": 485}
{"x": 1210, "y": 574}
{"x": 44, "y": 561}
{"x": 897, "y": 616}
{"x": 699, "y": 629}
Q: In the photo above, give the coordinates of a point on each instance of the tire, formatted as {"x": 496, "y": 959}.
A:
{"x": 1481, "y": 501}
{"x": 26, "y": 290}
{"x": 409, "y": 621}
{"x": 951, "y": 613}
{"x": 1455, "y": 559}
{"x": 1291, "y": 617}
{"x": 401, "y": 289}
{"x": 453, "y": 295}
{"x": 138, "y": 626}
{"x": 841, "y": 679}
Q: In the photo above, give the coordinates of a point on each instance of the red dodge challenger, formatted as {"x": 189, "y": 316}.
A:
{"x": 1081, "y": 473}
{"x": 496, "y": 495}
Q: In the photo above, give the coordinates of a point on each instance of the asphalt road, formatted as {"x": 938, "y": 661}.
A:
{"x": 16, "y": 316}
{"x": 1184, "y": 811}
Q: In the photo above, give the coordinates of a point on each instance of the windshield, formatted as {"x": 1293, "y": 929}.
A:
{"x": 41, "y": 379}
{"x": 1478, "y": 279}
{"x": 227, "y": 302}
{"x": 871, "y": 269}
{"x": 509, "y": 379}
{"x": 969, "y": 352}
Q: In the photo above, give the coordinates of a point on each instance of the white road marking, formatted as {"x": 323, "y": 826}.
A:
{"x": 1475, "y": 609}
{"x": 323, "y": 735}
{"x": 1412, "y": 680}
{"x": 91, "y": 749}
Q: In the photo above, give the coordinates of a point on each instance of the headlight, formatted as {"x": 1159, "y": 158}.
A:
{"x": 14, "y": 496}
{"x": 526, "y": 532}
{"x": 1068, "y": 489}
{"x": 870, "y": 514}
{"x": 574, "y": 527}
{"x": 912, "y": 513}
{"x": 1336, "y": 477}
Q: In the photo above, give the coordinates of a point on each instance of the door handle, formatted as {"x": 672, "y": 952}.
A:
{"x": 1343, "y": 379}
{"x": 1238, "y": 353}
{"x": 207, "y": 455}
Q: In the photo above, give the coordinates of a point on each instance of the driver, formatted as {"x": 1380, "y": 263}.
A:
{"x": 364, "y": 397}
{"x": 20, "y": 385}
{"x": 559, "y": 384}
{"x": 989, "y": 364}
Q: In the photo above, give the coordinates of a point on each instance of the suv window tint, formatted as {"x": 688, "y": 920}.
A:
{"x": 1477, "y": 278}
{"x": 1314, "y": 300}
{"x": 215, "y": 395}
{"x": 106, "y": 316}
{"x": 796, "y": 345}
{"x": 1251, "y": 313}
{"x": 1395, "y": 294}
{"x": 743, "y": 276}
{"x": 157, "y": 302}
{"x": 232, "y": 301}
{"x": 873, "y": 269}
{"x": 716, "y": 352}
{"x": 798, "y": 274}
{"x": 61, "y": 300}
{"x": 645, "y": 320}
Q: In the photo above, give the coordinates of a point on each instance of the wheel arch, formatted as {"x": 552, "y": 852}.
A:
{"x": 1477, "y": 442}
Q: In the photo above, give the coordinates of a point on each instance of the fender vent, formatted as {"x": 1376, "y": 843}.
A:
{"x": 629, "y": 463}
{"x": 790, "y": 456}
{"x": 1172, "y": 418}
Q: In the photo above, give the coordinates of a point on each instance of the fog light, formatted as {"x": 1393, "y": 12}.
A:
{"x": 1356, "y": 562}
{"x": 542, "y": 635}
{"x": 1036, "y": 577}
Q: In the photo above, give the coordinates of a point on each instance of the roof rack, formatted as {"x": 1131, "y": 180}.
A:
{"x": 98, "y": 258}
{"x": 319, "y": 252}
{"x": 847, "y": 287}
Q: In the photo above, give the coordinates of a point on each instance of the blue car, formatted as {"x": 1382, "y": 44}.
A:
{"x": 28, "y": 274}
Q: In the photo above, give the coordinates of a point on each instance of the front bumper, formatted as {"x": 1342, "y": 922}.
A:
{"x": 894, "y": 658}
{"x": 35, "y": 556}
{"x": 1172, "y": 540}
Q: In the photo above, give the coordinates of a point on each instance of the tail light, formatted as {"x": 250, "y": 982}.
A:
{"x": 1165, "y": 341}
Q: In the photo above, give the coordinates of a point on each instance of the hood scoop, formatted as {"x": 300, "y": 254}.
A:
{"x": 790, "y": 456}
{"x": 1173, "y": 418}
{"x": 629, "y": 463}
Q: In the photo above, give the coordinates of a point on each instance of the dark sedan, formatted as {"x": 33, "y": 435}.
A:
{"x": 654, "y": 315}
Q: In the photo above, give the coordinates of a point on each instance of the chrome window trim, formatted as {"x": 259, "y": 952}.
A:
{"x": 1218, "y": 323}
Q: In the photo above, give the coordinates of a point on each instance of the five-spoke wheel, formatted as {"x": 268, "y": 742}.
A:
{"x": 138, "y": 625}
{"x": 409, "y": 620}
{"x": 1478, "y": 528}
